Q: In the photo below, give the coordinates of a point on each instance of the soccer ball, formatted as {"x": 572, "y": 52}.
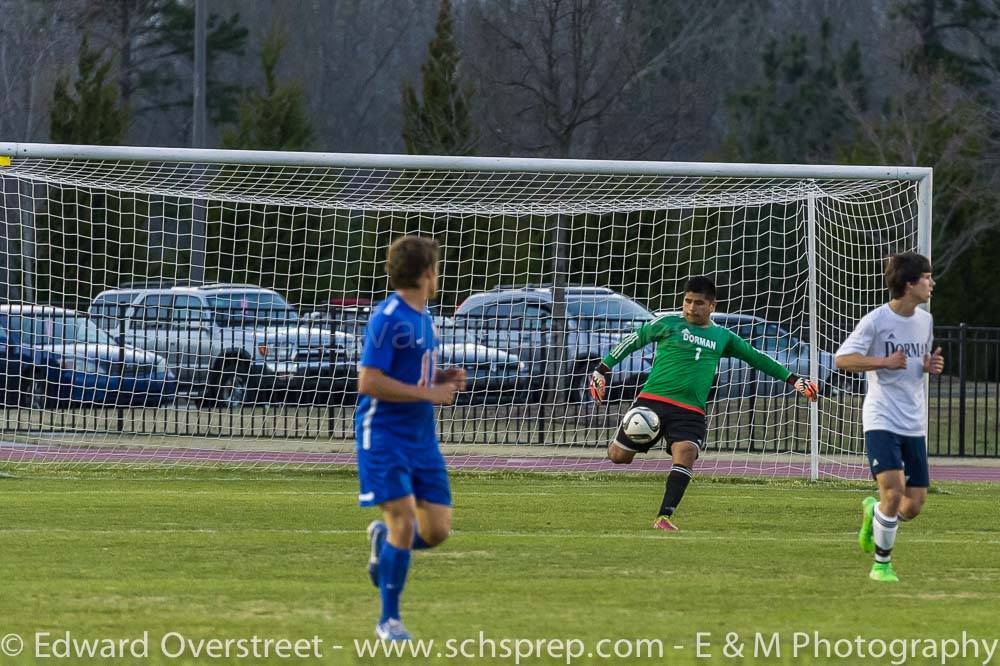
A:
{"x": 641, "y": 424}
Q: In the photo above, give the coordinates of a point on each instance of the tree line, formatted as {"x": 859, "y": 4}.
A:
{"x": 839, "y": 81}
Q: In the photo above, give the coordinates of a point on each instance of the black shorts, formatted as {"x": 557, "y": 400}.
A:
{"x": 676, "y": 425}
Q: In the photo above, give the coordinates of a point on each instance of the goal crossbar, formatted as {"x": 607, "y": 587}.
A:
{"x": 450, "y": 163}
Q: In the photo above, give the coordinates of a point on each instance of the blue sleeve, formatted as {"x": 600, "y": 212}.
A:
{"x": 377, "y": 352}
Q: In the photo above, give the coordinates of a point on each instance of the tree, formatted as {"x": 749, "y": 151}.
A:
{"x": 35, "y": 39}
{"x": 274, "y": 118}
{"x": 80, "y": 231}
{"x": 934, "y": 123}
{"x": 90, "y": 113}
{"x": 803, "y": 108}
{"x": 155, "y": 44}
{"x": 597, "y": 79}
{"x": 959, "y": 37}
{"x": 945, "y": 118}
{"x": 439, "y": 123}
{"x": 555, "y": 71}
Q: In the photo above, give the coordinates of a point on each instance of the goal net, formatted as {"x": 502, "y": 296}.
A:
{"x": 176, "y": 307}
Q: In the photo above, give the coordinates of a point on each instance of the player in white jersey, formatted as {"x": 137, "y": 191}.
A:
{"x": 892, "y": 346}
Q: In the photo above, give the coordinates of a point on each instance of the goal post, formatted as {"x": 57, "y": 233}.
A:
{"x": 545, "y": 265}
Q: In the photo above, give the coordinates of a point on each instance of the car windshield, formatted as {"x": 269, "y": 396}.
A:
{"x": 352, "y": 323}
{"x": 765, "y": 336}
{"x": 47, "y": 331}
{"x": 607, "y": 312}
{"x": 456, "y": 335}
{"x": 251, "y": 309}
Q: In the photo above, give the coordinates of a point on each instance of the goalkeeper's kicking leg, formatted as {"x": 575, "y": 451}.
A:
{"x": 684, "y": 432}
{"x": 683, "y": 456}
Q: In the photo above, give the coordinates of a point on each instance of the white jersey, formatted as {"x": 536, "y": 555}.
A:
{"x": 896, "y": 399}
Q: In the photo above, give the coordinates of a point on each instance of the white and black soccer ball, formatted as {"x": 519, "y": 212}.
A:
{"x": 641, "y": 424}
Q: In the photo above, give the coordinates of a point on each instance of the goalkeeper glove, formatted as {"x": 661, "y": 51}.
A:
{"x": 599, "y": 382}
{"x": 806, "y": 387}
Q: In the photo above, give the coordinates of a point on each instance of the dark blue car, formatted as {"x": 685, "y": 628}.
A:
{"x": 55, "y": 358}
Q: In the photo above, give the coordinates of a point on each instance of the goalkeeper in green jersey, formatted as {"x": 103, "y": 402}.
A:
{"x": 688, "y": 349}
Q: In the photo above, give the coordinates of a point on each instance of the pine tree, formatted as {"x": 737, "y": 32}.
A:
{"x": 275, "y": 118}
{"x": 89, "y": 112}
{"x": 154, "y": 40}
{"x": 439, "y": 123}
{"x": 801, "y": 110}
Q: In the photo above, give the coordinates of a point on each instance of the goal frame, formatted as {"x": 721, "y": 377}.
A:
{"x": 923, "y": 176}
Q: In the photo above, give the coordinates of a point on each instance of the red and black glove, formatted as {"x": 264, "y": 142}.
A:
{"x": 806, "y": 387}
{"x": 599, "y": 382}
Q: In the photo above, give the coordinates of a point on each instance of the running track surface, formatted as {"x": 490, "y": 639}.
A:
{"x": 32, "y": 453}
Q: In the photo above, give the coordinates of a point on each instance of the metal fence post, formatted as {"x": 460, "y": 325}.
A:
{"x": 555, "y": 355}
{"x": 122, "y": 310}
{"x": 961, "y": 388}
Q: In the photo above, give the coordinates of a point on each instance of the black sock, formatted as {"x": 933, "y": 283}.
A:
{"x": 677, "y": 483}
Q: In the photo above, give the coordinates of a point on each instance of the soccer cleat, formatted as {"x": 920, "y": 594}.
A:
{"x": 883, "y": 573}
{"x": 663, "y": 523}
{"x": 866, "y": 538}
{"x": 377, "y": 532}
{"x": 392, "y": 630}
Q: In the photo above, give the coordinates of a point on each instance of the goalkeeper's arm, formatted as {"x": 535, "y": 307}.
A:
{"x": 742, "y": 350}
{"x": 642, "y": 336}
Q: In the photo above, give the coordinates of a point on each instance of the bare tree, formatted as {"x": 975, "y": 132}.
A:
{"x": 936, "y": 123}
{"x": 36, "y": 42}
{"x": 593, "y": 78}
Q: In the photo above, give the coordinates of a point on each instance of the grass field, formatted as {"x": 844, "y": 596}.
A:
{"x": 236, "y": 554}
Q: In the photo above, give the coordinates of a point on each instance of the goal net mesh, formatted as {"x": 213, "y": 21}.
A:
{"x": 176, "y": 313}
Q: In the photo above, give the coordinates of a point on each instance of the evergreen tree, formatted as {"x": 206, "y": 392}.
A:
{"x": 155, "y": 38}
{"x": 79, "y": 231}
{"x": 959, "y": 37}
{"x": 88, "y": 112}
{"x": 801, "y": 111}
{"x": 439, "y": 123}
{"x": 274, "y": 118}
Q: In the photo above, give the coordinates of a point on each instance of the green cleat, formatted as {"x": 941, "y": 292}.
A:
{"x": 883, "y": 573}
{"x": 865, "y": 537}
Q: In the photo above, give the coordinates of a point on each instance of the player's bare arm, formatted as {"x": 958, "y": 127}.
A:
{"x": 374, "y": 382}
{"x": 862, "y": 363}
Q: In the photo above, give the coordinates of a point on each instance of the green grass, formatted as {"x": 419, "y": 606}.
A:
{"x": 281, "y": 555}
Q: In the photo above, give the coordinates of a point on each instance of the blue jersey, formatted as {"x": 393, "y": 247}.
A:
{"x": 402, "y": 343}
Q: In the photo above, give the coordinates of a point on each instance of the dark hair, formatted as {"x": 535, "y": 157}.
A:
{"x": 408, "y": 258}
{"x": 903, "y": 269}
{"x": 701, "y": 284}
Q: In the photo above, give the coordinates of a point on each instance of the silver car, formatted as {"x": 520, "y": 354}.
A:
{"x": 231, "y": 344}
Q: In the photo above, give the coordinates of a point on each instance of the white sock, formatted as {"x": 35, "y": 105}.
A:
{"x": 884, "y": 529}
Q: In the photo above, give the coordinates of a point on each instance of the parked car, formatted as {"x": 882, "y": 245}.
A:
{"x": 737, "y": 379}
{"x": 56, "y": 358}
{"x": 518, "y": 320}
{"x": 494, "y": 376}
{"x": 232, "y": 344}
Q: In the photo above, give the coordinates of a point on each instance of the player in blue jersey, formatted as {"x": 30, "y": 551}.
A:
{"x": 400, "y": 467}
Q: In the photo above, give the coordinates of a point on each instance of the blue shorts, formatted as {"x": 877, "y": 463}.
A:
{"x": 888, "y": 450}
{"x": 391, "y": 472}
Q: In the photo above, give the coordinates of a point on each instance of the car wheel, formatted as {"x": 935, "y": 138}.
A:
{"x": 34, "y": 393}
{"x": 228, "y": 387}
{"x": 232, "y": 390}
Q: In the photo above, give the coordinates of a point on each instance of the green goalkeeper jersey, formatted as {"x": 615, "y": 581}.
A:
{"x": 687, "y": 358}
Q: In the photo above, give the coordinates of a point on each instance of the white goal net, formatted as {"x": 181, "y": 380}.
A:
{"x": 174, "y": 307}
